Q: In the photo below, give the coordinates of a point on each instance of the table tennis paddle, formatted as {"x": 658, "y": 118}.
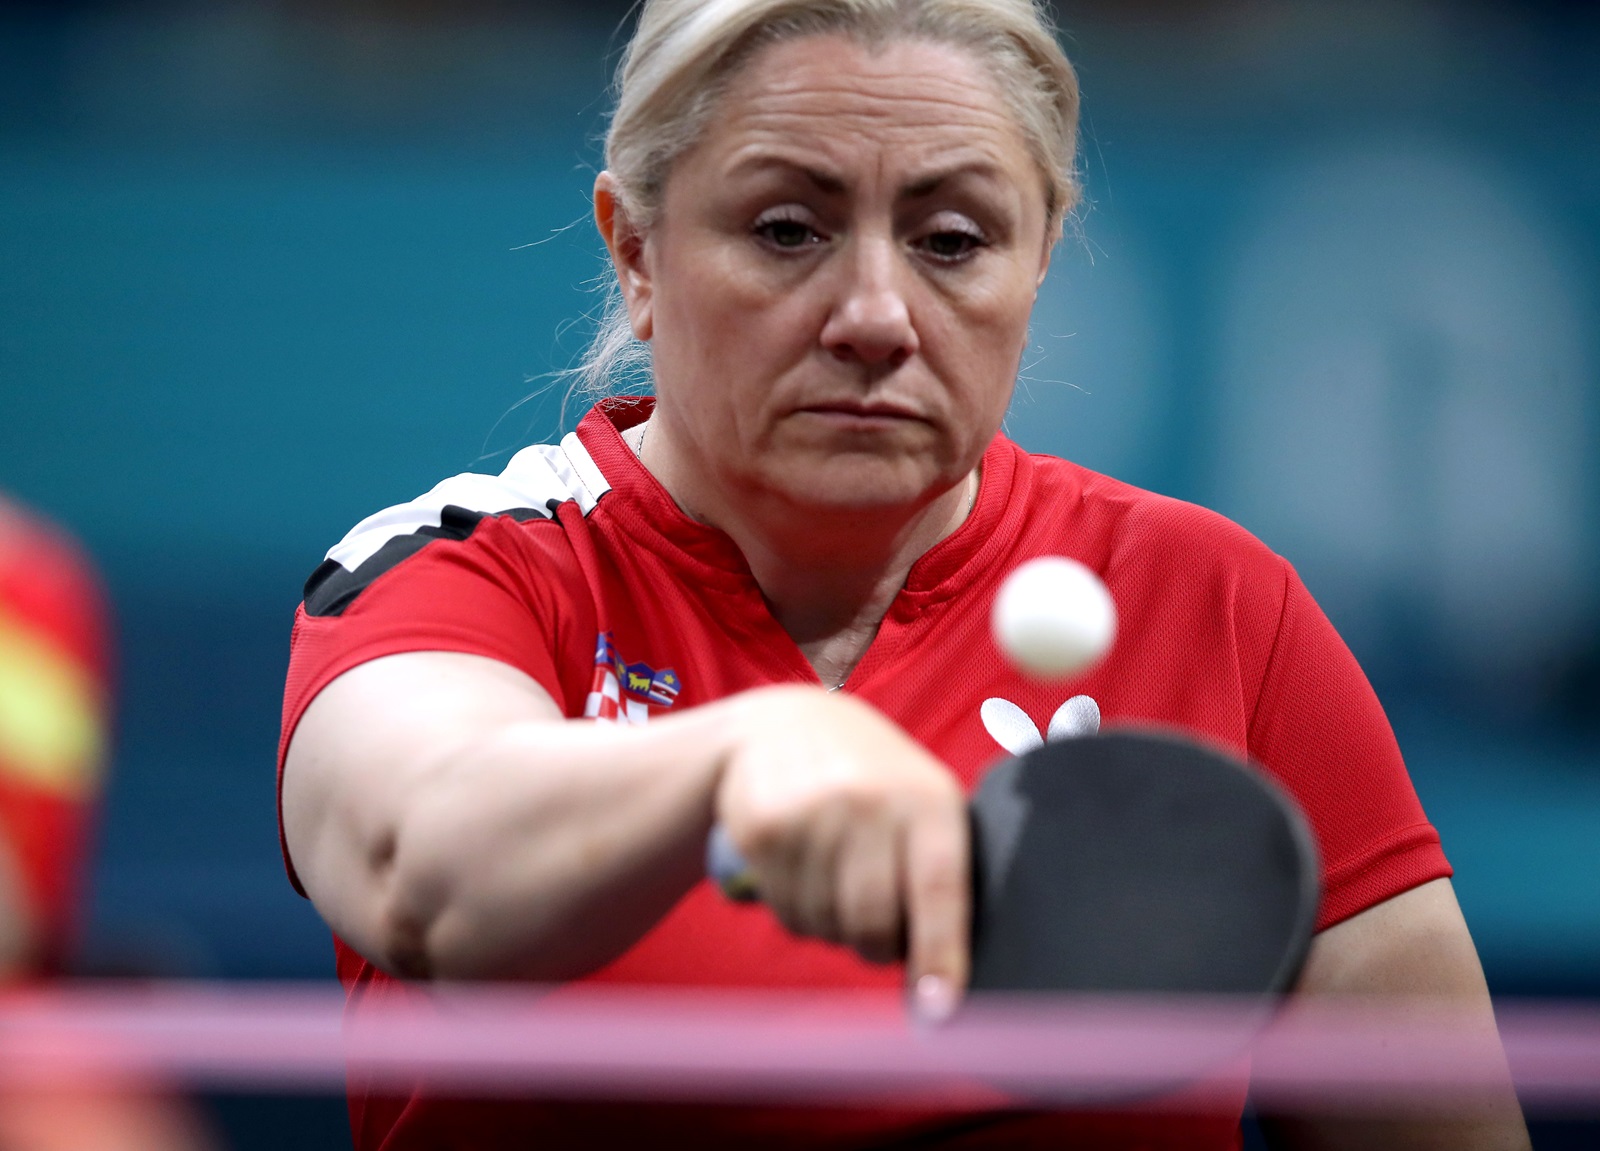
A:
{"x": 1127, "y": 862}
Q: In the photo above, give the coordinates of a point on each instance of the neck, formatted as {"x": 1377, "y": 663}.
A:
{"x": 831, "y": 585}
{"x": 828, "y": 574}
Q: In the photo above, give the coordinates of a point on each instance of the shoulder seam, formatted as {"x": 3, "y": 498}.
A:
{"x": 1272, "y": 656}
{"x": 581, "y": 467}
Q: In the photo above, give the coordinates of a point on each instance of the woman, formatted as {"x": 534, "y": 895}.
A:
{"x": 828, "y": 220}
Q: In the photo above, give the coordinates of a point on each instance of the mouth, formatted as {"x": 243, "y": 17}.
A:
{"x": 862, "y": 412}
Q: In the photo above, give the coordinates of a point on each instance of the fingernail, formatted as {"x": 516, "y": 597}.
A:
{"x": 934, "y": 999}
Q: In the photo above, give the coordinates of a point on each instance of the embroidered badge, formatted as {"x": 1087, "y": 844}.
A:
{"x": 623, "y": 692}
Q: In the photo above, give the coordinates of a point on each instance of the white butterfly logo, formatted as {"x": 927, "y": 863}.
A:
{"x": 1014, "y": 731}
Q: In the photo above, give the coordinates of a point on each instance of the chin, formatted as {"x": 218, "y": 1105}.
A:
{"x": 864, "y": 483}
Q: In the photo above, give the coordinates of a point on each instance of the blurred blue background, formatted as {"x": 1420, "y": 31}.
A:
{"x": 267, "y": 267}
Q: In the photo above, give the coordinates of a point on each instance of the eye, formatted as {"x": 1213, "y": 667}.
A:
{"x": 951, "y": 245}
{"x": 951, "y": 239}
{"x": 787, "y": 233}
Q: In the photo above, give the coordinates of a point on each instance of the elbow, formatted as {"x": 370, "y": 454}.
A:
{"x": 464, "y": 890}
{"x": 455, "y": 915}
{"x": 404, "y": 945}
{"x": 436, "y": 913}
{"x": 412, "y": 899}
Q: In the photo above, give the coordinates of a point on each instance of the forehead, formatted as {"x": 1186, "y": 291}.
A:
{"x": 909, "y": 105}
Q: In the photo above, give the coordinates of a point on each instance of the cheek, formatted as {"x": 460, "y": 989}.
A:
{"x": 986, "y": 335}
{"x": 714, "y": 311}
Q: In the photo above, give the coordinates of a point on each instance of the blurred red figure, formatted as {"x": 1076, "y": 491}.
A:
{"x": 54, "y": 716}
{"x": 55, "y": 713}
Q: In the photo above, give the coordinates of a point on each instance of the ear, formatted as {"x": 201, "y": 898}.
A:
{"x": 1044, "y": 264}
{"x": 625, "y": 242}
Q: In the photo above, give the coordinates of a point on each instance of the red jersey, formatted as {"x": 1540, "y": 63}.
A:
{"x": 53, "y": 719}
{"x": 575, "y": 566}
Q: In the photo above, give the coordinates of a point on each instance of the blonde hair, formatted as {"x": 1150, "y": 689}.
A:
{"x": 684, "y": 53}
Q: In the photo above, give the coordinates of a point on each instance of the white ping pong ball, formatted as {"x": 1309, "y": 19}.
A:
{"x": 1053, "y": 618}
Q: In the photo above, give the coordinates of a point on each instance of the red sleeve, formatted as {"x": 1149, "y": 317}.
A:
{"x": 1318, "y": 727}
{"x": 496, "y": 593}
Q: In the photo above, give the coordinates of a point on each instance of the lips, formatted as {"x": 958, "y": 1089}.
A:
{"x": 863, "y": 410}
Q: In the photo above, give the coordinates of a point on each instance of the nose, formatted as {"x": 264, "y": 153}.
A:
{"x": 871, "y": 319}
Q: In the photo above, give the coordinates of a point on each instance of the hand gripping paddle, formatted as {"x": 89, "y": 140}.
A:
{"x": 1127, "y": 862}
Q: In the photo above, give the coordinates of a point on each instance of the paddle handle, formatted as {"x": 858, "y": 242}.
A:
{"x": 729, "y": 869}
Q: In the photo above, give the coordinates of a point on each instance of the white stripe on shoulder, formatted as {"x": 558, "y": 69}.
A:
{"x": 588, "y": 483}
{"x": 534, "y": 477}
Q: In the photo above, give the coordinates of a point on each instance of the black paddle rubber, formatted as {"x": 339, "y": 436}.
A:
{"x": 1138, "y": 862}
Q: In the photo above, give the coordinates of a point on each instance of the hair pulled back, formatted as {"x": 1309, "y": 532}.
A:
{"x": 684, "y": 53}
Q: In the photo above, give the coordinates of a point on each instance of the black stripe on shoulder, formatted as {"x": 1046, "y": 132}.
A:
{"x": 332, "y": 587}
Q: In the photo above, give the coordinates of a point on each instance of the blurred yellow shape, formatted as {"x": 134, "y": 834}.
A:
{"x": 50, "y": 726}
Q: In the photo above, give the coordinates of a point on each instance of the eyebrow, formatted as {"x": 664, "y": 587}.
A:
{"x": 832, "y": 185}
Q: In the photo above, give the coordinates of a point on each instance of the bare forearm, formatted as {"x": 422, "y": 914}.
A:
{"x": 547, "y": 848}
{"x": 1414, "y": 954}
{"x": 448, "y": 822}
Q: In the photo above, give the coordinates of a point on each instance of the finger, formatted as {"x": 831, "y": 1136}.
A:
{"x": 868, "y": 895}
{"x": 938, "y": 880}
{"x": 816, "y": 909}
{"x": 773, "y": 856}
{"x": 793, "y": 865}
